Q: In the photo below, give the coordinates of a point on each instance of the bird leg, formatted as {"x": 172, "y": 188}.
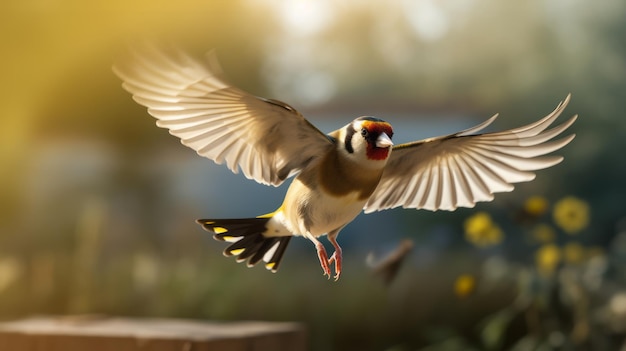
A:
{"x": 321, "y": 254}
{"x": 336, "y": 257}
{"x": 323, "y": 257}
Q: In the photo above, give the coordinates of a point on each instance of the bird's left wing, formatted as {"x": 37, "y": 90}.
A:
{"x": 461, "y": 169}
{"x": 267, "y": 139}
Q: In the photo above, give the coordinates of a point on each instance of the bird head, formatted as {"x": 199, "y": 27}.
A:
{"x": 368, "y": 139}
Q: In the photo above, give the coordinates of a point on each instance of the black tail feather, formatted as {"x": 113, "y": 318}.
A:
{"x": 266, "y": 245}
{"x": 248, "y": 241}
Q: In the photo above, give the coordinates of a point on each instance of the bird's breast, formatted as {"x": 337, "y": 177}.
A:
{"x": 343, "y": 178}
{"x": 327, "y": 197}
{"x": 308, "y": 208}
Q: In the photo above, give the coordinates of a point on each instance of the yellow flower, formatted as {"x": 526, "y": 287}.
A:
{"x": 536, "y": 205}
{"x": 464, "y": 285}
{"x": 547, "y": 258}
{"x": 571, "y": 214}
{"x": 573, "y": 253}
{"x": 481, "y": 231}
{"x": 543, "y": 233}
{"x": 478, "y": 223}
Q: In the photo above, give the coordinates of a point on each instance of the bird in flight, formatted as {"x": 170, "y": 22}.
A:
{"x": 337, "y": 175}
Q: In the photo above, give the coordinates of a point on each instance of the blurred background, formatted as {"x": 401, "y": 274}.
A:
{"x": 97, "y": 204}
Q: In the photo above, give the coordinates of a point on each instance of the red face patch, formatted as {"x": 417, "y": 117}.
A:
{"x": 374, "y": 130}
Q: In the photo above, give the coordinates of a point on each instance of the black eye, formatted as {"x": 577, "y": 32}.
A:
{"x": 364, "y": 132}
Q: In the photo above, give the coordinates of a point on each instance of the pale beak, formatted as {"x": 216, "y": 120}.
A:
{"x": 383, "y": 141}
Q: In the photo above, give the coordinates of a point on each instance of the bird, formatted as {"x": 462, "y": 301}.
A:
{"x": 336, "y": 176}
{"x": 388, "y": 266}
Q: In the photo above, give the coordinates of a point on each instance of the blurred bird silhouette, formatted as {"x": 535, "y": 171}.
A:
{"x": 387, "y": 268}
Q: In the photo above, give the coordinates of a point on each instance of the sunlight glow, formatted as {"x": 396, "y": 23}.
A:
{"x": 305, "y": 17}
{"x": 427, "y": 19}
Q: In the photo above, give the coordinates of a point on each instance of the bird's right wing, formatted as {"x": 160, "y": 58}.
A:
{"x": 267, "y": 139}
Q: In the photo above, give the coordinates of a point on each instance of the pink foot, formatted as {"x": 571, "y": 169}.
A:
{"x": 336, "y": 258}
{"x": 323, "y": 257}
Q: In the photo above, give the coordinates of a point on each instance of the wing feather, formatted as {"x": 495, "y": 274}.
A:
{"x": 462, "y": 185}
{"x": 423, "y": 191}
{"x": 266, "y": 139}
{"x": 453, "y": 186}
{"x": 479, "y": 187}
{"x": 463, "y": 168}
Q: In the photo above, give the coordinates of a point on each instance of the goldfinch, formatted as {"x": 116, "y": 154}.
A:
{"x": 337, "y": 175}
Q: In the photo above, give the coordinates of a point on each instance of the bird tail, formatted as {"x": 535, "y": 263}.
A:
{"x": 248, "y": 240}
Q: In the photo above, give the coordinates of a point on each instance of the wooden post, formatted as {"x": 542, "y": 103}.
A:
{"x": 92, "y": 333}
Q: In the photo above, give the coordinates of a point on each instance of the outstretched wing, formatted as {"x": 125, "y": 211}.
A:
{"x": 461, "y": 169}
{"x": 267, "y": 139}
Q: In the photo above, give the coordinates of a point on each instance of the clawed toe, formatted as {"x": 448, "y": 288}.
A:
{"x": 325, "y": 262}
{"x": 336, "y": 259}
{"x": 323, "y": 257}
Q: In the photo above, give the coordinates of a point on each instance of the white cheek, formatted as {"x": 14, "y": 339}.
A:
{"x": 359, "y": 144}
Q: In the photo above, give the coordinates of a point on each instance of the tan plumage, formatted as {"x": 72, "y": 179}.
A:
{"x": 337, "y": 175}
